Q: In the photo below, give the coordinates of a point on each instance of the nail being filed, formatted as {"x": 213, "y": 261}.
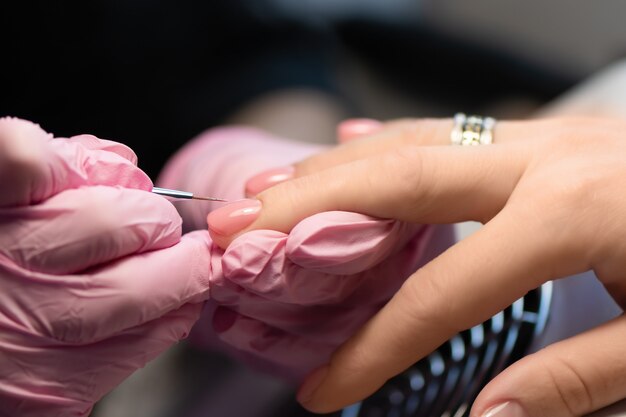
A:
{"x": 183, "y": 194}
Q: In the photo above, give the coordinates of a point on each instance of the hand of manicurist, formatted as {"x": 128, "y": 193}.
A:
{"x": 95, "y": 279}
{"x": 551, "y": 195}
{"x": 285, "y": 302}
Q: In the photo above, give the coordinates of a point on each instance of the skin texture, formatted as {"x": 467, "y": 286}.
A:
{"x": 551, "y": 196}
{"x": 96, "y": 276}
{"x": 284, "y": 302}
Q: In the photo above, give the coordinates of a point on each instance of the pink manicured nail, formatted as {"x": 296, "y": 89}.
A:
{"x": 268, "y": 178}
{"x": 354, "y": 128}
{"x": 310, "y": 385}
{"x": 223, "y": 319}
{"x": 233, "y": 217}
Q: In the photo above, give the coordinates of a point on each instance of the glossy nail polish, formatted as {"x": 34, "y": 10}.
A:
{"x": 268, "y": 178}
{"x": 507, "y": 409}
{"x": 354, "y": 128}
{"x": 310, "y": 385}
{"x": 233, "y": 217}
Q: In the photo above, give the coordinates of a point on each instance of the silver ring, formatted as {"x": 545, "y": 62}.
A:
{"x": 472, "y": 130}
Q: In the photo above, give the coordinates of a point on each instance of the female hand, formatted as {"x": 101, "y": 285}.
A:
{"x": 95, "y": 280}
{"x": 550, "y": 195}
{"x": 285, "y": 302}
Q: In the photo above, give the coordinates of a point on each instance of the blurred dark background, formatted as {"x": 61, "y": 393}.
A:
{"x": 152, "y": 74}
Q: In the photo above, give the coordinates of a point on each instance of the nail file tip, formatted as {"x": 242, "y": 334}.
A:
{"x": 209, "y": 199}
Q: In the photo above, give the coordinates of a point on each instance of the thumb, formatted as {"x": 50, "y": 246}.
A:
{"x": 570, "y": 378}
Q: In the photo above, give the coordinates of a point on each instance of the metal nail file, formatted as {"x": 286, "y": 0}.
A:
{"x": 182, "y": 194}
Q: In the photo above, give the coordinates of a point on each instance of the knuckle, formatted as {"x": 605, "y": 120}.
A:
{"x": 290, "y": 196}
{"x": 355, "y": 361}
{"x": 570, "y": 124}
{"x": 573, "y": 194}
{"x": 421, "y": 131}
{"x": 568, "y": 384}
{"x": 423, "y": 297}
{"x": 404, "y": 168}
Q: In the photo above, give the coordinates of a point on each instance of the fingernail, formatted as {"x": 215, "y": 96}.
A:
{"x": 353, "y": 128}
{"x": 223, "y": 319}
{"x": 507, "y": 409}
{"x": 233, "y": 217}
{"x": 268, "y": 178}
{"x": 310, "y": 385}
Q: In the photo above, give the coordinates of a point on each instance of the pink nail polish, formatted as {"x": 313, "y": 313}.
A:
{"x": 233, "y": 217}
{"x": 268, "y": 178}
{"x": 223, "y": 319}
{"x": 311, "y": 383}
{"x": 354, "y": 128}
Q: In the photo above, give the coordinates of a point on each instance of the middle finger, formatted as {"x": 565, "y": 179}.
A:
{"x": 414, "y": 132}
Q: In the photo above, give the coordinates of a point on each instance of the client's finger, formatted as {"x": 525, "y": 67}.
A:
{"x": 570, "y": 378}
{"x": 375, "y": 138}
{"x": 388, "y": 136}
{"x": 464, "y": 286}
{"x": 357, "y": 128}
{"x": 423, "y": 185}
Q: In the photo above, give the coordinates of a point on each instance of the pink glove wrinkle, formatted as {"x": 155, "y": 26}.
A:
{"x": 220, "y": 161}
{"x": 285, "y": 302}
{"x": 96, "y": 278}
{"x": 35, "y": 166}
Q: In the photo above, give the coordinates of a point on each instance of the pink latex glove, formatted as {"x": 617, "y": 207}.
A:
{"x": 286, "y": 301}
{"x": 95, "y": 279}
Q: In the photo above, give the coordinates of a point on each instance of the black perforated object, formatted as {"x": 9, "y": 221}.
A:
{"x": 447, "y": 381}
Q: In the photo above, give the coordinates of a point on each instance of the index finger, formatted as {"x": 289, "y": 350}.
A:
{"x": 464, "y": 286}
{"x": 435, "y": 184}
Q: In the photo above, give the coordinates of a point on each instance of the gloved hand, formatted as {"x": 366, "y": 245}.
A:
{"x": 95, "y": 280}
{"x": 286, "y": 301}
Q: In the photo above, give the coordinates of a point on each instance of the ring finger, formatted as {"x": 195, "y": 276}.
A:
{"x": 414, "y": 132}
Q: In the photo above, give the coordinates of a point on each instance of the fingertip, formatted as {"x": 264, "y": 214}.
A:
{"x": 309, "y": 386}
{"x": 220, "y": 241}
{"x": 267, "y": 179}
{"x": 506, "y": 409}
{"x": 354, "y": 128}
{"x": 217, "y": 239}
{"x": 226, "y": 222}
